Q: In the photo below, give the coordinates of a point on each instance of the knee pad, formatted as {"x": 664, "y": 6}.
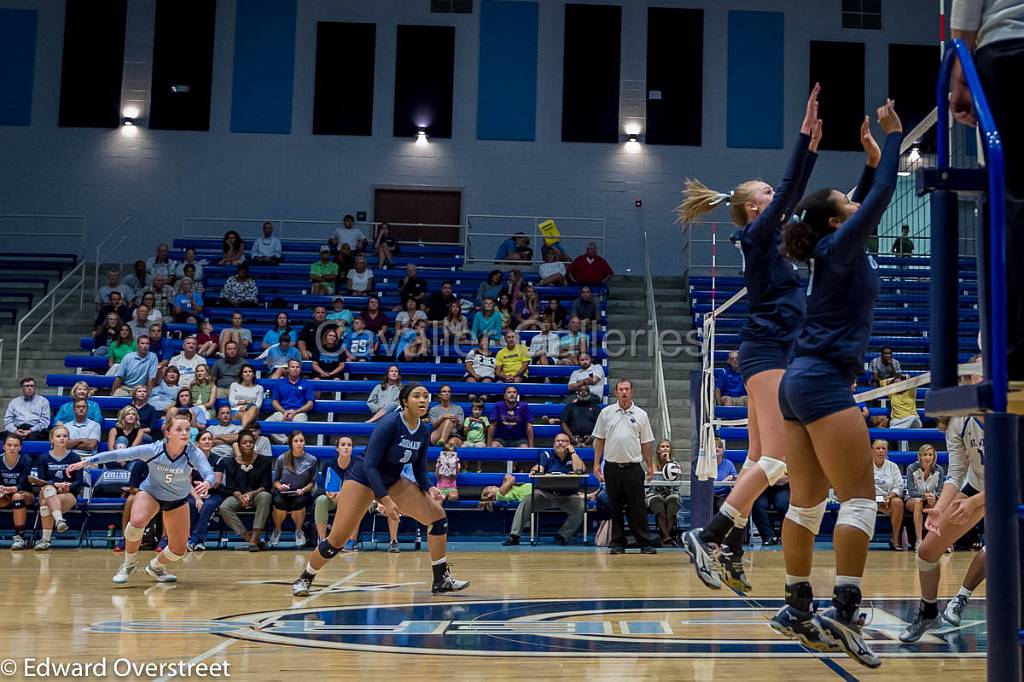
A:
{"x": 327, "y": 550}
{"x": 747, "y": 463}
{"x": 48, "y": 491}
{"x": 17, "y": 503}
{"x": 925, "y": 566}
{"x": 133, "y": 534}
{"x": 171, "y": 556}
{"x": 859, "y": 513}
{"x": 439, "y": 527}
{"x": 773, "y": 468}
{"x": 807, "y": 517}
{"x": 44, "y": 511}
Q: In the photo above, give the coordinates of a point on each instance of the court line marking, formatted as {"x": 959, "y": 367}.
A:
{"x": 263, "y": 622}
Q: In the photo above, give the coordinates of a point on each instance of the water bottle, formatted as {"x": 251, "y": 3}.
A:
{"x": 110, "y": 536}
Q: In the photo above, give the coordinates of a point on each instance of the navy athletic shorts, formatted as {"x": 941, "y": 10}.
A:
{"x": 812, "y": 389}
{"x": 171, "y": 505}
{"x": 758, "y": 356}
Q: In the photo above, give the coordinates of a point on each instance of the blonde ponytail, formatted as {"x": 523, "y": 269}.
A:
{"x": 698, "y": 199}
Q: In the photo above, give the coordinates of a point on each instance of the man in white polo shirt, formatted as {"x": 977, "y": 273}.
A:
{"x": 187, "y": 360}
{"x": 623, "y": 437}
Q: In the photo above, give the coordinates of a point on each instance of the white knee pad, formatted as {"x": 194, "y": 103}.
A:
{"x": 808, "y": 517}
{"x": 859, "y": 513}
{"x": 133, "y": 534}
{"x": 48, "y": 491}
{"x": 926, "y": 566}
{"x": 44, "y": 511}
{"x": 171, "y": 556}
{"x": 773, "y": 468}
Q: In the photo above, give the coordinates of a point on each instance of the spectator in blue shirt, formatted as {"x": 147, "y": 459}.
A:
{"x": 516, "y": 247}
{"x": 188, "y": 304}
{"x": 282, "y": 327}
{"x": 726, "y": 472}
{"x": 138, "y": 368}
{"x": 277, "y": 356}
{"x": 360, "y": 343}
{"x": 729, "y": 388}
{"x": 292, "y": 398}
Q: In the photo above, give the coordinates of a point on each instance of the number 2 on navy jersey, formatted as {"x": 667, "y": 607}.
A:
{"x": 406, "y": 457}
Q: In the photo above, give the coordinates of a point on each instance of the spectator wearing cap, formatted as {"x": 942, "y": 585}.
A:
{"x": 359, "y": 279}
{"x": 580, "y": 417}
{"x": 340, "y": 314}
{"x": 585, "y": 308}
{"x": 323, "y": 273}
{"x": 885, "y": 366}
{"x": 729, "y": 387}
{"x": 515, "y": 248}
{"x": 113, "y": 284}
{"x": 267, "y": 250}
{"x": 28, "y": 415}
{"x": 347, "y": 233}
{"x": 240, "y": 289}
{"x": 590, "y": 268}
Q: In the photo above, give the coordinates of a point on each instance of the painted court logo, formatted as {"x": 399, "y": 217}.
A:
{"x": 713, "y": 627}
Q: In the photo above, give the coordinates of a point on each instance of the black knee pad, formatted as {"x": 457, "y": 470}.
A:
{"x": 17, "y": 503}
{"x": 438, "y": 527}
{"x": 327, "y": 550}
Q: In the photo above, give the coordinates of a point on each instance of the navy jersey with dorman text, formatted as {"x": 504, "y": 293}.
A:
{"x": 18, "y": 474}
{"x": 55, "y": 470}
{"x": 392, "y": 445}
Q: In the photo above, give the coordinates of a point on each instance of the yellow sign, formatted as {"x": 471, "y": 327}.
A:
{"x": 550, "y": 232}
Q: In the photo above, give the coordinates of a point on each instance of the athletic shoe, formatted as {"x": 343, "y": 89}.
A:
{"x": 647, "y": 549}
{"x": 119, "y": 546}
{"x": 62, "y": 526}
{"x": 275, "y": 537}
{"x": 350, "y": 546}
{"x": 160, "y": 575}
{"x": 300, "y": 538}
{"x": 954, "y": 611}
{"x": 42, "y": 545}
{"x": 123, "y": 571}
{"x": 189, "y": 546}
{"x": 300, "y": 588}
{"x": 616, "y": 550}
{"x": 732, "y": 571}
{"x": 393, "y": 547}
{"x": 803, "y": 627}
{"x": 448, "y": 584}
{"x": 17, "y": 543}
{"x": 920, "y": 625}
{"x": 199, "y": 547}
{"x": 847, "y": 634}
{"x": 703, "y": 556}
{"x": 511, "y": 540}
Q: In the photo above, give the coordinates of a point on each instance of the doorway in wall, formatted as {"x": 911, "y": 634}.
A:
{"x": 432, "y": 215}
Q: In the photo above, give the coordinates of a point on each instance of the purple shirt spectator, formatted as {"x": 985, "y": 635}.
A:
{"x": 510, "y": 423}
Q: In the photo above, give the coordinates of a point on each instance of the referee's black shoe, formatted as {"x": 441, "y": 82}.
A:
{"x": 648, "y": 549}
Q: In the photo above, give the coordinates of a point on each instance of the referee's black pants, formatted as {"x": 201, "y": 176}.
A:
{"x": 625, "y": 486}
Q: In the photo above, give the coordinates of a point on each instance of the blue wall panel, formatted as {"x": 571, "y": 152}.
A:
{"x": 261, "y": 91}
{"x": 755, "y": 80}
{"x": 507, "y": 100}
{"x": 17, "y": 64}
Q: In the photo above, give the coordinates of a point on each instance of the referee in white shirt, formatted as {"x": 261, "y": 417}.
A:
{"x": 622, "y": 435}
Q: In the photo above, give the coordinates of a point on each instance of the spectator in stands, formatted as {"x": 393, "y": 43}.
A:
{"x": 262, "y": 445}
{"x": 137, "y": 368}
{"x": 552, "y": 270}
{"x": 224, "y": 433}
{"x": 490, "y": 288}
{"x": 246, "y": 397}
{"x": 410, "y": 315}
{"x": 204, "y": 391}
{"x": 480, "y": 364}
{"x": 726, "y": 473}
{"x": 292, "y": 398}
{"x": 589, "y": 376}
{"x": 579, "y": 417}
{"x": 161, "y": 264}
{"x": 903, "y": 245}
{"x": 188, "y": 305}
{"x": 924, "y": 481}
{"x": 360, "y": 278}
{"x": 165, "y": 392}
{"x": 412, "y": 287}
{"x": 138, "y": 280}
{"x": 113, "y": 284}
{"x": 340, "y": 315}
{"x": 228, "y": 369}
{"x": 346, "y": 260}
{"x": 294, "y": 478}
{"x": 28, "y": 415}
{"x": 663, "y": 500}
{"x": 187, "y": 361}
{"x": 374, "y": 319}
{"x": 504, "y": 309}
{"x": 572, "y": 344}
{"x": 729, "y": 387}
{"x": 585, "y": 308}
{"x": 80, "y": 391}
{"x": 163, "y": 293}
{"x": 554, "y": 314}
{"x": 590, "y": 268}
{"x": 323, "y": 273}
{"x": 183, "y": 402}
{"x": 447, "y": 469}
{"x": 385, "y": 246}
{"x": 327, "y": 502}
{"x": 384, "y": 396}
{"x": 508, "y": 491}
{"x": 267, "y": 250}
{"x": 149, "y": 300}
{"x": 201, "y": 514}
{"x": 160, "y": 346}
{"x": 310, "y": 332}
{"x": 544, "y": 346}
{"x": 189, "y": 271}
{"x": 139, "y": 323}
{"x": 329, "y": 356}
{"x": 232, "y": 249}
{"x": 148, "y": 417}
{"x": 282, "y": 326}
{"x": 413, "y": 344}
{"x": 512, "y": 364}
{"x": 885, "y": 366}
{"x": 475, "y": 427}
{"x": 563, "y": 460}
{"x": 117, "y": 306}
{"x": 360, "y": 344}
{"x": 195, "y": 273}
{"x": 237, "y": 333}
{"x": 446, "y": 419}
{"x": 277, "y": 357}
{"x": 121, "y": 346}
{"x": 105, "y": 333}
{"x": 15, "y": 489}
{"x": 440, "y": 302}
{"x": 903, "y": 405}
{"x": 889, "y": 491}
{"x": 487, "y": 322}
{"x": 128, "y": 430}
{"x": 240, "y": 289}
{"x": 83, "y": 433}
{"x": 526, "y": 309}
{"x": 511, "y": 422}
{"x": 207, "y": 340}
{"x": 348, "y": 233}
{"x": 247, "y": 482}
{"x": 515, "y": 248}
{"x": 456, "y": 327}
{"x": 514, "y": 284}
{"x": 774, "y": 497}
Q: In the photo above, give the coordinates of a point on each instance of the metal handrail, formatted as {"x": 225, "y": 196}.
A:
{"x": 660, "y": 394}
{"x": 99, "y": 248}
{"x": 536, "y": 239}
{"x": 77, "y": 273}
{"x": 51, "y": 216}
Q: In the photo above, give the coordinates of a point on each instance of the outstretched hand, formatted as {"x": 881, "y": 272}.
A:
{"x": 867, "y": 141}
{"x": 815, "y": 136}
{"x": 811, "y": 113}
{"x": 888, "y": 118}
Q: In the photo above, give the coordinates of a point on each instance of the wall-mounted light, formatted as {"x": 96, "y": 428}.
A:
{"x": 421, "y": 136}
{"x": 131, "y": 112}
{"x": 632, "y": 128}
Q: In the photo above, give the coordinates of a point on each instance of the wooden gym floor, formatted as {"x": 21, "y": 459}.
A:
{"x": 530, "y": 613}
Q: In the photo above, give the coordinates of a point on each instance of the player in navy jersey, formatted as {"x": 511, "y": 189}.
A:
{"x": 399, "y": 438}
{"x": 59, "y": 493}
{"x": 165, "y": 490}
{"x": 15, "y": 489}
{"x": 827, "y": 438}
{"x": 776, "y": 302}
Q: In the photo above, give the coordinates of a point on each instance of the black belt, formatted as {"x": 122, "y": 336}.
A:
{"x": 623, "y": 465}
